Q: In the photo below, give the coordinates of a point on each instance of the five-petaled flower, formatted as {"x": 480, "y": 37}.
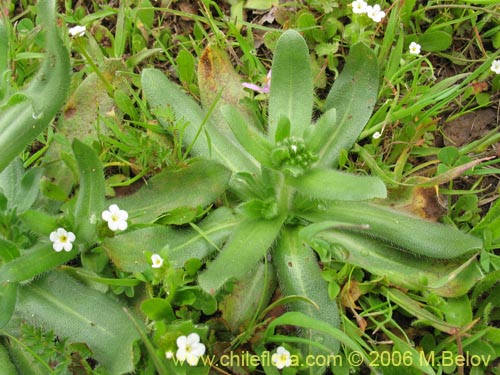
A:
{"x": 266, "y": 87}
{"x": 190, "y": 349}
{"x": 375, "y": 13}
{"x": 495, "y": 66}
{"x": 414, "y": 48}
{"x": 359, "y": 6}
{"x": 156, "y": 260}
{"x": 281, "y": 358}
{"x": 77, "y": 31}
{"x": 62, "y": 239}
{"x": 116, "y": 218}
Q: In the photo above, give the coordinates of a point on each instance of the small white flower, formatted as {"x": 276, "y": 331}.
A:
{"x": 77, "y": 31}
{"x": 377, "y": 135}
{"x": 62, "y": 239}
{"x": 359, "y": 6}
{"x": 169, "y": 354}
{"x": 414, "y": 48}
{"x": 495, "y": 66}
{"x": 281, "y": 358}
{"x": 116, "y": 218}
{"x": 157, "y": 261}
{"x": 375, "y": 13}
{"x": 189, "y": 349}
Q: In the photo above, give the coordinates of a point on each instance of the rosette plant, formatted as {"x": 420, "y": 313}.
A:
{"x": 292, "y": 203}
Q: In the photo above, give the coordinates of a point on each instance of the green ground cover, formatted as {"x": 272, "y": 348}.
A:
{"x": 249, "y": 187}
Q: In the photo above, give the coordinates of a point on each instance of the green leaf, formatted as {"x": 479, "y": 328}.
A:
{"x": 320, "y": 135}
{"x": 20, "y": 187}
{"x": 292, "y": 90}
{"x": 435, "y": 40}
{"x": 240, "y": 256}
{"x": 415, "y": 309}
{"x": 447, "y": 279}
{"x": 248, "y": 297}
{"x": 335, "y": 185}
{"x": 33, "y": 262}
{"x": 8, "y": 297}
{"x": 302, "y": 320}
{"x": 458, "y": 311}
{"x": 6, "y": 366}
{"x": 299, "y": 274}
{"x": 353, "y": 95}
{"x": 196, "y": 185}
{"x": 252, "y": 140}
{"x": 199, "y": 135}
{"x": 177, "y": 245}
{"x": 90, "y": 199}
{"x": 39, "y": 222}
{"x": 20, "y": 124}
{"x": 409, "y": 232}
{"x": 158, "y": 309}
{"x": 185, "y": 66}
{"x": 80, "y": 314}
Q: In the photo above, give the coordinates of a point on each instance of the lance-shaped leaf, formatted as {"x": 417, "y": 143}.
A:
{"x": 335, "y": 185}
{"x": 405, "y": 231}
{"x": 319, "y": 136}
{"x": 447, "y": 279}
{"x": 33, "y": 262}
{"x": 20, "y": 187}
{"x": 24, "y": 120}
{"x": 199, "y": 134}
{"x": 353, "y": 95}
{"x": 177, "y": 245}
{"x": 90, "y": 200}
{"x": 292, "y": 89}
{"x": 59, "y": 303}
{"x": 250, "y": 138}
{"x": 299, "y": 274}
{"x": 250, "y": 293}
{"x": 196, "y": 185}
{"x": 249, "y": 242}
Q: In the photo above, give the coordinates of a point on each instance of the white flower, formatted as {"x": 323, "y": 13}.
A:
{"x": 359, "y": 6}
{"x": 495, "y": 66}
{"x": 375, "y": 13}
{"x": 281, "y": 358}
{"x": 116, "y": 218}
{"x": 77, "y": 31}
{"x": 377, "y": 135}
{"x": 169, "y": 354}
{"x": 156, "y": 260}
{"x": 190, "y": 349}
{"x": 414, "y": 48}
{"x": 62, "y": 239}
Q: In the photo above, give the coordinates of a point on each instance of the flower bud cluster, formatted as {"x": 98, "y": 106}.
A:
{"x": 292, "y": 156}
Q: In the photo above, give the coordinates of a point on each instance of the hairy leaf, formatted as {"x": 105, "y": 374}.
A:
{"x": 59, "y": 303}
{"x": 292, "y": 90}
{"x": 353, "y": 95}
{"x": 249, "y": 242}
{"x": 335, "y": 185}
{"x": 196, "y": 185}
{"x": 22, "y": 121}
